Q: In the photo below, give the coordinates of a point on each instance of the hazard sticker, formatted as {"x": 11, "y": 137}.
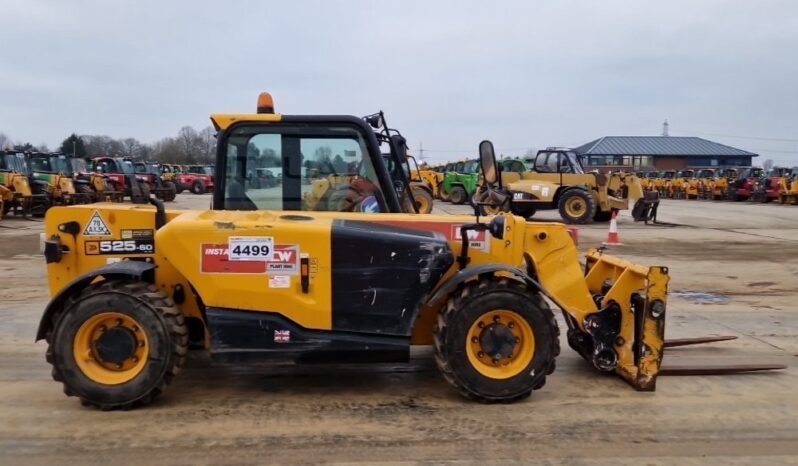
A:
{"x": 96, "y": 226}
{"x": 216, "y": 259}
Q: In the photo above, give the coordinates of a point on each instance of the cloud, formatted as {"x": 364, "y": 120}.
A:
{"x": 448, "y": 74}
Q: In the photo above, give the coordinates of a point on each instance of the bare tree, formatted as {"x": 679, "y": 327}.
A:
{"x": 131, "y": 147}
{"x": 208, "y": 137}
{"x": 5, "y": 141}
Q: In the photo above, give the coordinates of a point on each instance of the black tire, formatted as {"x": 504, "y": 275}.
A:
{"x": 179, "y": 188}
{"x": 443, "y": 195}
{"x": 602, "y": 216}
{"x": 144, "y": 194}
{"x": 161, "y": 321}
{"x": 462, "y": 311}
{"x": 458, "y": 195}
{"x": 423, "y": 200}
{"x": 482, "y": 196}
{"x": 41, "y": 205}
{"x": 170, "y": 191}
{"x": 86, "y": 193}
{"x": 577, "y": 206}
{"x": 198, "y": 187}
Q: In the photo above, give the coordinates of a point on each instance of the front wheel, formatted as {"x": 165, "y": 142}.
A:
{"x": 577, "y": 206}
{"x": 170, "y": 191}
{"x": 490, "y": 209}
{"x": 496, "y": 341}
{"x": 118, "y": 344}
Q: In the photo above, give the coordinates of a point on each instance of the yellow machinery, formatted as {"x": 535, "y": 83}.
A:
{"x": 681, "y": 184}
{"x": 55, "y": 171}
{"x": 704, "y": 179}
{"x": 558, "y": 181}
{"x": 14, "y": 178}
{"x": 721, "y": 184}
{"x": 423, "y": 184}
{"x": 133, "y": 286}
{"x": 789, "y": 188}
{"x": 6, "y": 197}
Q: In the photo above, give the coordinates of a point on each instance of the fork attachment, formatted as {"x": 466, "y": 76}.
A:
{"x": 627, "y": 334}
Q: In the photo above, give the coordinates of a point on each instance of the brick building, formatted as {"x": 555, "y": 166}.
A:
{"x": 660, "y": 153}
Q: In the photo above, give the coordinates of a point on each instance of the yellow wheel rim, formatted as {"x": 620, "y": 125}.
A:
{"x": 575, "y": 207}
{"x": 111, "y": 348}
{"x": 500, "y": 344}
{"x": 423, "y": 204}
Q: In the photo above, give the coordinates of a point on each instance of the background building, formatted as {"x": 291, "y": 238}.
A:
{"x": 660, "y": 153}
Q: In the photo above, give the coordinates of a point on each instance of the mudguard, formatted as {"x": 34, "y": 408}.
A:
{"x": 138, "y": 270}
{"x": 471, "y": 272}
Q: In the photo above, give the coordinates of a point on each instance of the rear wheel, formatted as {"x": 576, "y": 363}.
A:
{"x": 458, "y": 195}
{"x": 423, "y": 200}
{"x": 118, "y": 344}
{"x": 198, "y": 187}
{"x": 577, "y": 206}
{"x": 496, "y": 341}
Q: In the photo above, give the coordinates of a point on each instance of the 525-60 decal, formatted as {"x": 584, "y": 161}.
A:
{"x": 120, "y": 247}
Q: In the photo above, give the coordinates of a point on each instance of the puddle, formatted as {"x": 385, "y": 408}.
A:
{"x": 700, "y": 297}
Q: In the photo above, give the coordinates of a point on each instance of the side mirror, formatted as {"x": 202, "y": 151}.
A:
{"x": 399, "y": 144}
{"x": 487, "y": 160}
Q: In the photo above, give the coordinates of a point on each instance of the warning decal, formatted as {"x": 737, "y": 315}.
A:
{"x": 96, "y": 226}
{"x": 216, "y": 259}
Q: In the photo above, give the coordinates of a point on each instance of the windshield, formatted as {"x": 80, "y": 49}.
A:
{"x": 40, "y": 164}
{"x": 78, "y": 165}
{"x": 153, "y": 169}
{"x": 471, "y": 167}
{"x": 326, "y": 168}
{"x": 126, "y": 167}
{"x": 576, "y": 165}
{"x": 59, "y": 163}
{"x": 15, "y": 162}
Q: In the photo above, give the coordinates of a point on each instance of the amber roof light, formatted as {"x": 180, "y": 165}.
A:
{"x": 265, "y": 103}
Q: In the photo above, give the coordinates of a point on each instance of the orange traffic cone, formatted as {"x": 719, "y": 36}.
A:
{"x": 612, "y": 237}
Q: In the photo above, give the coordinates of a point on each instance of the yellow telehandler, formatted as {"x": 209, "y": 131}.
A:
{"x": 132, "y": 287}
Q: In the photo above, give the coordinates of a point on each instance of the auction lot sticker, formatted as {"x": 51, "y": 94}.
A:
{"x": 251, "y": 248}
{"x": 285, "y": 261}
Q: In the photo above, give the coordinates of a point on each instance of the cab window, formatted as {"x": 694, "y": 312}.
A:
{"x": 300, "y": 168}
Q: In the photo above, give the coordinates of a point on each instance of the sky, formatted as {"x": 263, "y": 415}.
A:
{"x": 448, "y": 74}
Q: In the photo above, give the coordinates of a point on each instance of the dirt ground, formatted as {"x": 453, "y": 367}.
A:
{"x": 734, "y": 270}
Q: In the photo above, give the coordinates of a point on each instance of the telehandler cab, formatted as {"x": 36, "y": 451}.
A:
{"x": 260, "y": 277}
